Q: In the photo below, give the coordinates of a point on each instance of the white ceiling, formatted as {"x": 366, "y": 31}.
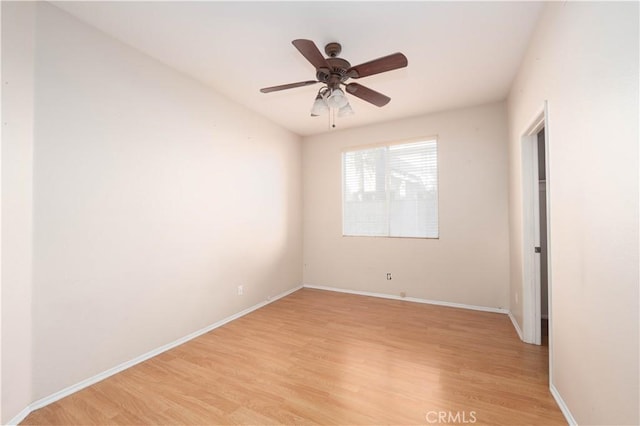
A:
{"x": 460, "y": 53}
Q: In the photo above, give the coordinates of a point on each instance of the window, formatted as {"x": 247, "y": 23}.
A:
{"x": 391, "y": 191}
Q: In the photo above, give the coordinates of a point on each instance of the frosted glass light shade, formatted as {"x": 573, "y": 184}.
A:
{"x": 337, "y": 99}
{"x": 345, "y": 111}
{"x": 319, "y": 106}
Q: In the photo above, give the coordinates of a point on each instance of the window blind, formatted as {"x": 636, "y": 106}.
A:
{"x": 391, "y": 191}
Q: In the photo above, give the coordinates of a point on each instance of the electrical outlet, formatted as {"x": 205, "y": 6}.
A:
{"x": 388, "y": 275}
{"x": 240, "y": 290}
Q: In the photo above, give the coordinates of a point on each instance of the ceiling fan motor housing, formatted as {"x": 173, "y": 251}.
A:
{"x": 336, "y": 75}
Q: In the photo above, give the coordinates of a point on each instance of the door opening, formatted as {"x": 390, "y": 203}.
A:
{"x": 542, "y": 209}
{"x": 536, "y": 281}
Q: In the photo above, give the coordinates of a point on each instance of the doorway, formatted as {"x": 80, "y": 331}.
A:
{"x": 542, "y": 217}
{"x": 536, "y": 307}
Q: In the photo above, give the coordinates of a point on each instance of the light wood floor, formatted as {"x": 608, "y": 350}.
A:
{"x": 318, "y": 357}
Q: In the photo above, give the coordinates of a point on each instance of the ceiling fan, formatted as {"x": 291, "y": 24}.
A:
{"x": 333, "y": 72}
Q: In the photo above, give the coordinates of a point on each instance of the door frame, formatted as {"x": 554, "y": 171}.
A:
{"x": 531, "y": 303}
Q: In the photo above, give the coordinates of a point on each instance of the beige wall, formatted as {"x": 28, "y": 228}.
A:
{"x": 468, "y": 264}
{"x": 153, "y": 199}
{"x": 18, "y": 22}
{"x": 583, "y": 59}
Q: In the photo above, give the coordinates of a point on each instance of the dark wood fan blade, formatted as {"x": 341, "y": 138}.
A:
{"x": 366, "y": 94}
{"x": 288, "y": 86}
{"x": 310, "y": 51}
{"x": 386, "y": 63}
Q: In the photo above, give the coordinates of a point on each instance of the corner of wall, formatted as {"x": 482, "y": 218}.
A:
{"x": 18, "y": 35}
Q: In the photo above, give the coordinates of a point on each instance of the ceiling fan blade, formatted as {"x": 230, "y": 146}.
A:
{"x": 288, "y": 86}
{"x": 366, "y": 94}
{"x": 386, "y": 63}
{"x": 310, "y": 51}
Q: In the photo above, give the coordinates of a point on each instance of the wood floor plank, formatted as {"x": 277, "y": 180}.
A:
{"x": 317, "y": 357}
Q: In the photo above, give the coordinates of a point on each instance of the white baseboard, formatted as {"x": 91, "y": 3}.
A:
{"x": 563, "y": 407}
{"x": 516, "y": 326}
{"x": 20, "y": 417}
{"x": 409, "y": 299}
{"x": 110, "y": 372}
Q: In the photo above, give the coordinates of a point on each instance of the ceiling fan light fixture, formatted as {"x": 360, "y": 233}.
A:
{"x": 319, "y": 106}
{"x": 337, "y": 99}
{"x": 345, "y": 111}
